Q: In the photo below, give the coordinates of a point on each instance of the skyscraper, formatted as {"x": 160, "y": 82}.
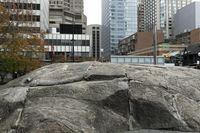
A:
{"x": 162, "y": 12}
{"x": 119, "y": 20}
{"x": 66, "y": 12}
{"x": 94, "y": 31}
{"x": 141, "y": 16}
{"x": 151, "y": 14}
{"x": 168, "y": 9}
{"x": 186, "y": 20}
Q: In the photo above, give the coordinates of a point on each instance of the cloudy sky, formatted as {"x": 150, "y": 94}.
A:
{"x": 93, "y": 11}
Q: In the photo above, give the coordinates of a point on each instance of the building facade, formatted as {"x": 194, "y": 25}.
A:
{"x": 119, "y": 20}
{"x": 127, "y": 45}
{"x": 163, "y": 49}
{"x": 141, "y": 16}
{"x": 95, "y": 34}
{"x": 35, "y": 12}
{"x": 151, "y": 15}
{"x": 187, "y": 18}
{"x": 189, "y": 37}
{"x": 168, "y": 9}
{"x": 161, "y": 13}
{"x": 66, "y": 46}
{"x": 138, "y": 41}
{"x": 67, "y": 12}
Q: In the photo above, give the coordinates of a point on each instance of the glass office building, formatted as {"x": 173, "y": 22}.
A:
{"x": 63, "y": 46}
{"x": 162, "y": 13}
{"x": 168, "y": 9}
{"x": 119, "y": 20}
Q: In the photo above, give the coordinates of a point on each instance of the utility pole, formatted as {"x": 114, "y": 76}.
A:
{"x": 73, "y": 40}
{"x": 155, "y": 43}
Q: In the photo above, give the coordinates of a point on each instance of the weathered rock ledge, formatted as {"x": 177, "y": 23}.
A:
{"x": 92, "y": 97}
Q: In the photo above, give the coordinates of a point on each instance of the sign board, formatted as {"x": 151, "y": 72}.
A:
{"x": 70, "y": 29}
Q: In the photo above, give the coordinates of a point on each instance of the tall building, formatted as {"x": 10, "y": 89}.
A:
{"x": 95, "y": 33}
{"x": 187, "y": 18}
{"x": 35, "y": 14}
{"x": 162, "y": 12}
{"x": 66, "y": 12}
{"x": 168, "y": 10}
{"x": 119, "y": 20}
{"x": 151, "y": 14}
{"x": 141, "y": 16}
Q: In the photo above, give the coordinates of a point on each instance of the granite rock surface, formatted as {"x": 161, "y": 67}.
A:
{"x": 94, "y": 97}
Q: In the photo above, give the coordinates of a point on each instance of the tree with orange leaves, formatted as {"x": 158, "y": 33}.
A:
{"x": 20, "y": 49}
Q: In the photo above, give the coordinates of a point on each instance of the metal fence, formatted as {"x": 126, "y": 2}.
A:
{"x": 137, "y": 60}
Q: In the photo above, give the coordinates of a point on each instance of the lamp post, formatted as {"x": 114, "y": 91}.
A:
{"x": 101, "y": 54}
{"x": 73, "y": 40}
{"x": 155, "y": 43}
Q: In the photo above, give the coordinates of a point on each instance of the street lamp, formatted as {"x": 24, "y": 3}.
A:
{"x": 73, "y": 40}
{"x": 155, "y": 43}
{"x": 101, "y": 54}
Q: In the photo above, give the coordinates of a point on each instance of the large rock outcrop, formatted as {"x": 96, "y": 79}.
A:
{"x": 93, "y": 97}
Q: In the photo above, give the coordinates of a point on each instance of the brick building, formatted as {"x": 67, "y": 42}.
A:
{"x": 190, "y": 37}
{"x": 162, "y": 49}
{"x": 138, "y": 41}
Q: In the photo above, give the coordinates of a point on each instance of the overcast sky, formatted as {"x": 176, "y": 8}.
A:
{"x": 92, "y": 9}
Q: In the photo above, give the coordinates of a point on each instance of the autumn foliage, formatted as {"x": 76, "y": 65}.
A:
{"x": 20, "y": 50}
